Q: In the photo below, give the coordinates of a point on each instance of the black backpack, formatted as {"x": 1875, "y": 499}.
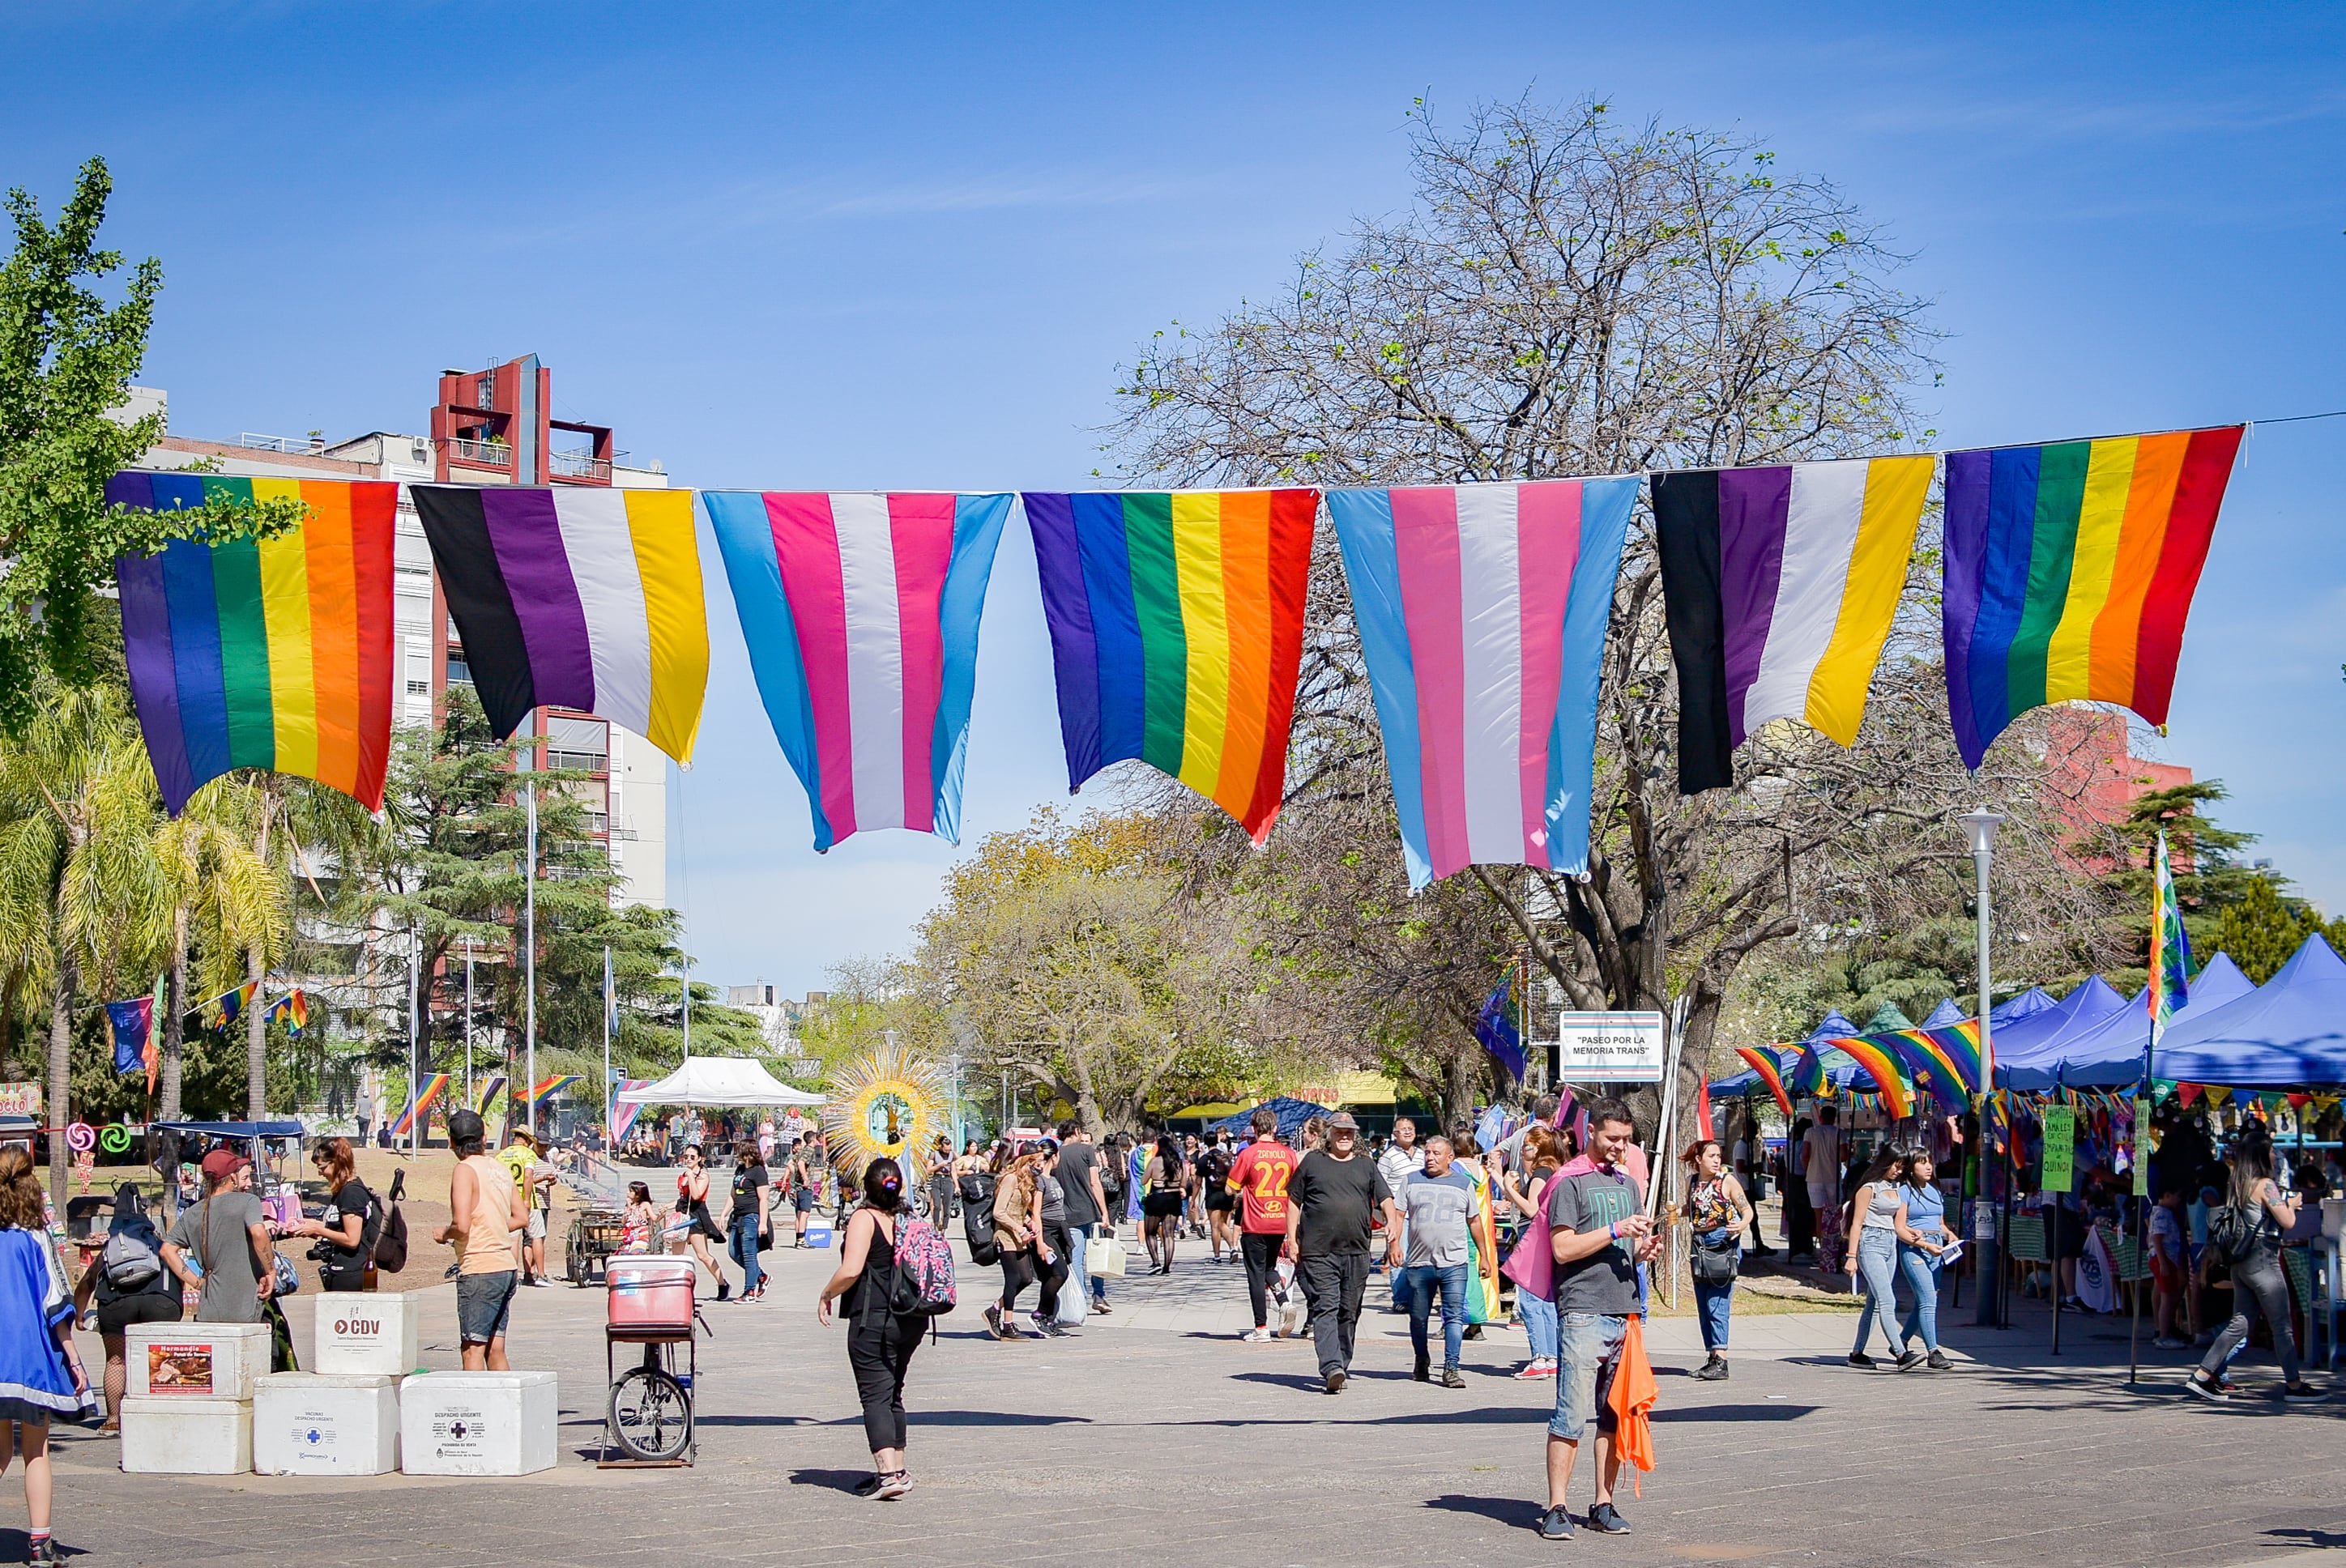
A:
{"x": 976, "y": 1190}
{"x": 2232, "y": 1231}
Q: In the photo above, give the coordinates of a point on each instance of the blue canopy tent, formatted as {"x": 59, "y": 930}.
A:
{"x": 1944, "y": 1015}
{"x": 2108, "y": 1055}
{"x": 2013, "y": 1008}
{"x": 2288, "y": 1033}
{"x": 2038, "y": 1038}
{"x": 1293, "y": 1113}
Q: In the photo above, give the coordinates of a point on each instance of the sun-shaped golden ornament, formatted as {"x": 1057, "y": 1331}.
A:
{"x": 884, "y": 1103}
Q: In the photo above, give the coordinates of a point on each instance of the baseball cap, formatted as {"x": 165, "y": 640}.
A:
{"x": 1341, "y": 1122}
{"x": 463, "y": 1126}
{"x": 223, "y": 1163}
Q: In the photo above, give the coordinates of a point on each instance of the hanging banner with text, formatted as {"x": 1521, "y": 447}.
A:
{"x": 1609, "y": 1048}
{"x": 2060, "y": 1148}
{"x": 20, "y": 1100}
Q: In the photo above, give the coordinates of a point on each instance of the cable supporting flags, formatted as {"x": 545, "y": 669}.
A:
{"x": 577, "y": 597}
{"x": 1177, "y": 628}
{"x": 861, "y": 611}
{"x": 262, "y": 652}
{"x": 1780, "y": 584}
{"x": 1482, "y": 611}
{"x": 2069, "y": 572}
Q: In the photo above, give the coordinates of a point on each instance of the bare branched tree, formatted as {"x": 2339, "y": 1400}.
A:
{"x": 1574, "y": 297}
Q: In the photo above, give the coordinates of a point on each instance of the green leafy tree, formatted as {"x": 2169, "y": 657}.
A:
{"x": 2264, "y": 928}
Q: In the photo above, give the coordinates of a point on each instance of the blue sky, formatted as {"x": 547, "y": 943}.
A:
{"x": 900, "y": 245}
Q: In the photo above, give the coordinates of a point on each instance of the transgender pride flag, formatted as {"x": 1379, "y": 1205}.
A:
{"x": 861, "y": 611}
{"x": 1483, "y": 610}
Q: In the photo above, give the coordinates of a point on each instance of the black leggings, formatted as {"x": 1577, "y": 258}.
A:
{"x": 878, "y": 1357}
{"x": 1054, "y": 1273}
{"x": 1017, "y": 1273}
{"x": 1262, "y": 1254}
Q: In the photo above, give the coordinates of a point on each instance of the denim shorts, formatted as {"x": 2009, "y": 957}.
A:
{"x": 1588, "y": 1352}
{"x": 483, "y": 1302}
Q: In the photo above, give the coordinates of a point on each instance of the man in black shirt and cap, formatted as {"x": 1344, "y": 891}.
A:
{"x": 1337, "y": 1197}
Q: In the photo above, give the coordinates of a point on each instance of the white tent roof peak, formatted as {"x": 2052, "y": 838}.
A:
{"x": 721, "y": 1082}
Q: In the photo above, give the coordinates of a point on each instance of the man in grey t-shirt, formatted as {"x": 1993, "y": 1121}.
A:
{"x": 226, "y": 1238}
{"x": 1437, "y": 1204}
{"x": 1600, "y": 1234}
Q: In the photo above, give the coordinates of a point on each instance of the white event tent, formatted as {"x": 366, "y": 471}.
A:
{"x": 719, "y": 1082}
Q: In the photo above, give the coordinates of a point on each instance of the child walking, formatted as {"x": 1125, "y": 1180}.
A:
{"x": 40, "y": 1371}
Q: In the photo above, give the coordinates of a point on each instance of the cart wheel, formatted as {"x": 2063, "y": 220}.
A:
{"x": 651, "y": 1415}
{"x": 574, "y": 1253}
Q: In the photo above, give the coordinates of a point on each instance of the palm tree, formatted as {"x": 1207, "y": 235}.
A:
{"x": 225, "y": 901}
{"x": 81, "y": 895}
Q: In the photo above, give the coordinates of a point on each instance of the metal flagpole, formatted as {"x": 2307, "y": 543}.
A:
{"x": 609, "y": 1108}
{"x": 468, "y": 1021}
{"x": 1988, "y": 1267}
{"x": 529, "y": 937}
{"x": 415, "y": 1109}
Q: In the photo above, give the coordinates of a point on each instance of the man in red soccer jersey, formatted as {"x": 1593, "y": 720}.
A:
{"x": 1261, "y": 1177}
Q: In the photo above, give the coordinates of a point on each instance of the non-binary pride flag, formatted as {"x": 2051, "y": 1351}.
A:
{"x": 577, "y": 597}
{"x": 862, "y": 612}
{"x": 262, "y": 652}
{"x": 1176, "y": 626}
{"x": 1780, "y": 584}
{"x": 1483, "y": 610}
{"x": 2070, "y": 570}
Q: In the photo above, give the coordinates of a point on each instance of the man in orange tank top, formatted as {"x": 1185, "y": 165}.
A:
{"x": 484, "y": 1209}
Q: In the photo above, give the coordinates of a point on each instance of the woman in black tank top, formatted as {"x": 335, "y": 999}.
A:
{"x": 879, "y": 1345}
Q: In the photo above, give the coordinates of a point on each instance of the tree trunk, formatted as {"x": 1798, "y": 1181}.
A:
{"x": 58, "y": 1111}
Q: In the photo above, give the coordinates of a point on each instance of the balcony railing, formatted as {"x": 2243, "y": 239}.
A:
{"x": 308, "y": 443}
{"x": 495, "y": 454}
{"x": 579, "y": 465}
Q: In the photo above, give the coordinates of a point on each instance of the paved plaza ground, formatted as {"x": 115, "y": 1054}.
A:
{"x": 1154, "y": 1434}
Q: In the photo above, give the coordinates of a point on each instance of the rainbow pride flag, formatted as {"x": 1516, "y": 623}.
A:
{"x": 553, "y": 1086}
{"x": 1780, "y": 584}
{"x": 262, "y": 652}
{"x": 1771, "y": 1073}
{"x": 2069, "y": 572}
{"x": 293, "y": 1007}
{"x": 1483, "y": 610}
{"x": 579, "y": 596}
{"x": 1482, "y": 1259}
{"x": 1947, "y": 1058}
{"x": 434, "y": 1087}
{"x": 1883, "y": 1067}
{"x": 1177, "y": 628}
{"x": 861, "y": 611}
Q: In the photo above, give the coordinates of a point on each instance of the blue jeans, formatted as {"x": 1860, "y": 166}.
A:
{"x": 1711, "y": 1303}
{"x": 1877, "y": 1262}
{"x": 1416, "y": 1284}
{"x": 1539, "y": 1323}
{"x": 1921, "y": 1278}
{"x": 741, "y": 1246}
{"x": 1075, "y": 1297}
{"x": 1589, "y": 1353}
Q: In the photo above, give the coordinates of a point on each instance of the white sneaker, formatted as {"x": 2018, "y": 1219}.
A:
{"x": 1258, "y": 1336}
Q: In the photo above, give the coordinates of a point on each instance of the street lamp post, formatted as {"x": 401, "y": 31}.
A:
{"x": 1987, "y": 1238}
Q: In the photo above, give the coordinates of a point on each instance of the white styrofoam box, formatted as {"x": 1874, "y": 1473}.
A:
{"x": 324, "y": 1423}
{"x": 477, "y": 1423}
{"x": 197, "y": 1361}
{"x": 362, "y": 1333}
{"x": 181, "y": 1434}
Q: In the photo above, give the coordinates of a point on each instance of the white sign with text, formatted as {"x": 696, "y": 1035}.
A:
{"x": 1609, "y": 1048}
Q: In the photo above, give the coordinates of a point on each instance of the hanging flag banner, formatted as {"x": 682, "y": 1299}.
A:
{"x": 293, "y": 1007}
{"x": 1769, "y": 1068}
{"x": 861, "y": 614}
{"x": 1177, "y": 628}
{"x": 225, "y": 1009}
{"x": 262, "y": 652}
{"x": 1780, "y": 584}
{"x": 576, "y": 596}
{"x": 434, "y": 1087}
{"x": 133, "y": 1025}
{"x": 1496, "y": 1028}
{"x": 1946, "y": 1060}
{"x": 1482, "y": 611}
{"x": 2069, "y": 572}
{"x": 1883, "y": 1066}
